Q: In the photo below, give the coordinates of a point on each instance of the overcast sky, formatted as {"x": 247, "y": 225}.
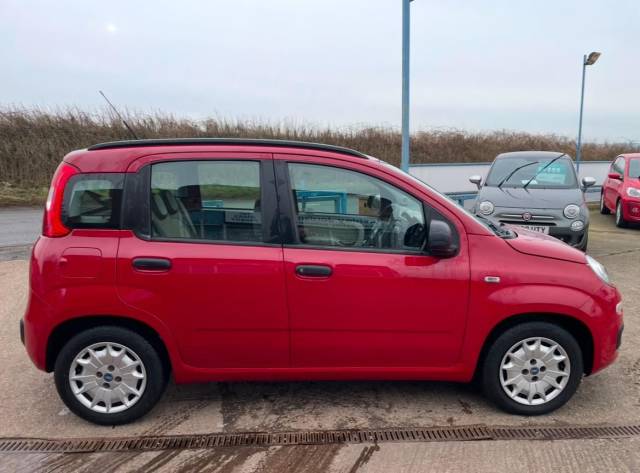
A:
{"x": 477, "y": 65}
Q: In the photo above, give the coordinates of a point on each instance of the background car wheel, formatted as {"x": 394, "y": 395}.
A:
{"x": 604, "y": 210}
{"x": 532, "y": 368}
{"x": 109, "y": 375}
{"x": 620, "y": 222}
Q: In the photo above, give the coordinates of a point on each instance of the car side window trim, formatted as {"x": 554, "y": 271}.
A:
{"x": 137, "y": 216}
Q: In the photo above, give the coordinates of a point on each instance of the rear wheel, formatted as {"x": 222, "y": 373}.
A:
{"x": 604, "y": 210}
{"x": 532, "y": 368}
{"x": 620, "y": 221}
{"x": 109, "y": 375}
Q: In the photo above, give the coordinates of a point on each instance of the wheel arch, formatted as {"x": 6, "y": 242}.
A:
{"x": 574, "y": 326}
{"x": 67, "y": 329}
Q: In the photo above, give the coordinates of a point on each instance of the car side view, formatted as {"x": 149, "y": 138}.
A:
{"x": 621, "y": 190}
{"x": 539, "y": 191}
{"x": 222, "y": 259}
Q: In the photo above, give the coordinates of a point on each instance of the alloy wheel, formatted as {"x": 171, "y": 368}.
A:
{"x": 107, "y": 377}
{"x": 534, "y": 371}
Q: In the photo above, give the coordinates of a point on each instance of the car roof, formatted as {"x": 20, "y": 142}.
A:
{"x": 225, "y": 141}
{"x": 531, "y": 154}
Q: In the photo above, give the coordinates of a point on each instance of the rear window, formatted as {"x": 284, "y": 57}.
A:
{"x": 93, "y": 201}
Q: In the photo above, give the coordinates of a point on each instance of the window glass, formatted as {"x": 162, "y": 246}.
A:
{"x": 533, "y": 171}
{"x": 634, "y": 168}
{"x": 93, "y": 201}
{"x": 618, "y": 166}
{"x": 341, "y": 208}
{"x": 206, "y": 200}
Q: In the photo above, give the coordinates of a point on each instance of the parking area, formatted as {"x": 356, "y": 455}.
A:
{"x": 30, "y": 407}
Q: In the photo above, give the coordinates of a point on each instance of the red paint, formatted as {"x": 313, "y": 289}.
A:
{"x": 231, "y": 312}
{"x": 615, "y": 189}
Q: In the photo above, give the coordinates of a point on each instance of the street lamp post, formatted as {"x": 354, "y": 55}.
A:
{"x": 406, "y": 27}
{"x": 586, "y": 61}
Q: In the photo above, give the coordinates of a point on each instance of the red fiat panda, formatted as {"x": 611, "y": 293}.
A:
{"x": 219, "y": 259}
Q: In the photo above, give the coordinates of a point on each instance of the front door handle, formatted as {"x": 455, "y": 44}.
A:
{"x": 151, "y": 264}
{"x": 314, "y": 270}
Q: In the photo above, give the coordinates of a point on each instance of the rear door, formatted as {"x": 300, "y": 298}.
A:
{"x": 204, "y": 256}
{"x": 361, "y": 291}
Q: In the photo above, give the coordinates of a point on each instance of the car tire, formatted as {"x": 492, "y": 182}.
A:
{"x": 604, "y": 210}
{"x": 620, "y": 221}
{"x": 532, "y": 344}
{"x": 118, "y": 376}
{"x": 585, "y": 242}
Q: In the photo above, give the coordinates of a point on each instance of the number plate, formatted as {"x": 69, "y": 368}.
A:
{"x": 536, "y": 228}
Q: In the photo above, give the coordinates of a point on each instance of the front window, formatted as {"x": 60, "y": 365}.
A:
{"x": 341, "y": 208}
{"x": 634, "y": 168}
{"x": 533, "y": 172}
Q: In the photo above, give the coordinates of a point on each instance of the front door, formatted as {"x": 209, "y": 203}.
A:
{"x": 361, "y": 290}
{"x": 208, "y": 264}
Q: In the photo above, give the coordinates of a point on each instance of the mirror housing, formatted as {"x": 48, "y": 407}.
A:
{"x": 441, "y": 242}
{"x": 588, "y": 182}
{"x": 614, "y": 175}
{"x": 476, "y": 179}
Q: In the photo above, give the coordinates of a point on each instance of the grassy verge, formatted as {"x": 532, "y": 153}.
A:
{"x": 22, "y": 196}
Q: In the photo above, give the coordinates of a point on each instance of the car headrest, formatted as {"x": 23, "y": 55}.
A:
{"x": 158, "y": 206}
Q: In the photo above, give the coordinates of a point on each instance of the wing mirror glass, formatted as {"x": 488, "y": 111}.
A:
{"x": 441, "y": 242}
{"x": 476, "y": 179}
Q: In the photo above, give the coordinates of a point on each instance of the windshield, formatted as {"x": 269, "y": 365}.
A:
{"x": 634, "y": 168}
{"x": 533, "y": 172}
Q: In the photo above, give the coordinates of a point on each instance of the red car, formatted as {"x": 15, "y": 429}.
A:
{"x": 218, "y": 259}
{"x": 621, "y": 190}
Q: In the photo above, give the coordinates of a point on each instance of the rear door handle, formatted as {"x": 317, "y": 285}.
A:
{"x": 314, "y": 270}
{"x": 152, "y": 264}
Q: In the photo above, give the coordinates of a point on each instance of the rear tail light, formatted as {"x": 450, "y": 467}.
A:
{"x": 52, "y": 225}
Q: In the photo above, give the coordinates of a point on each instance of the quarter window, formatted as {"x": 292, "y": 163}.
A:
{"x": 341, "y": 208}
{"x": 206, "y": 200}
{"x": 93, "y": 201}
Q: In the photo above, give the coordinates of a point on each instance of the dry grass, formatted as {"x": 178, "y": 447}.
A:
{"x": 32, "y": 142}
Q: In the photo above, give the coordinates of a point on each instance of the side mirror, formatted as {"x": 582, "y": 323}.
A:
{"x": 441, "y": 243}
{"x": 588, "y": 182}
{"x": 614, "y": 175}
{"x": 476, "y": 179}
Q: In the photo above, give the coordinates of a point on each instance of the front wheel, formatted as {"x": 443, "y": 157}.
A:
{"x": 604, "y": 210}
{"x": 620, "y": 221}
{"x": 532, "y": 368}
{"x": 109, "y": 375}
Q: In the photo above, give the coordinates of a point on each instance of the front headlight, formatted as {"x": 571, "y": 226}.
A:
{"x": 486, "y": 207}
{"x": 633, "y": 192}
{"x": 599, "y": 269}
{"x": 571, "y": 211}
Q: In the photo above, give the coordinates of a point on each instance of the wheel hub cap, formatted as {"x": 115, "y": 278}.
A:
{"x": 534, "y": 371}
{"x": 107, "y": 377}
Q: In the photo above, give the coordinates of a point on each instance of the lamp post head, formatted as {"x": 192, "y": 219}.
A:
{"x": 592, "y": 58}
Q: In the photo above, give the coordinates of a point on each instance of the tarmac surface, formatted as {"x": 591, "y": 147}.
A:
{"x": 30, "y": 407}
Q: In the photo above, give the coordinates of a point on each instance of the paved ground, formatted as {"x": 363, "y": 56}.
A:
{"x": 29, "y": 407}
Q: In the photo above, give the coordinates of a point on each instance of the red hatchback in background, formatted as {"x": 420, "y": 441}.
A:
{"x": 621, "y": 190}
{"x": 211, "y": 260}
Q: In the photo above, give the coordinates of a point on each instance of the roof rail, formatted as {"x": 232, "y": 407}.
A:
{"x": 226, "y": 141}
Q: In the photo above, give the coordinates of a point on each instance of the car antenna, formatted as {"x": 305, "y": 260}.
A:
{"x": 135, "y": 137}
